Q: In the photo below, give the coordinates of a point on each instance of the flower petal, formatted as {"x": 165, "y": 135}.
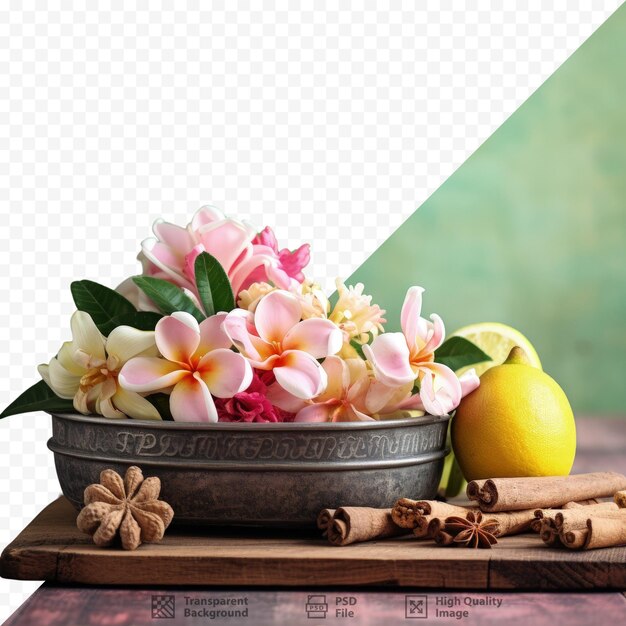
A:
{"x": 440, "y": 389}
{"x": 157, "y": 255}
{"x": 86, "y": 336}
{"x": 411, "y": 313}
{"x": 381, "y": 398}
{"x": 63, "y": 383}
{"x": 436, "y": 335}
{"x": 125, "y": 342}
{"x": 469, "y": 381}
{"x": 338, "y": 376}
{"x": 190, "y": 401}
{"x": 146, "y": 374}
{"x": 300, "y": 374}
{"x": 224, "y": 372}
{"x": 315, "y": 413}
{"x": 66, "y": 359}
{"x": 239, "y": 326}
{"x": 318, "y": 337}
{"x": 354, "y": 415}
{"x": 212, "y": 335}
{"x": 276, "y": 314}
{"x": 389, "y": 355}
{"x": 205, "y": 215}
{"x": 176, "y": 238}
{"x": 44, "y": 372}
{"x": 225, "y": 239}
{"x": 283, "y": 399}
{"x": 104, "y": 400}
{"x": 133, "y": 405}
{"x": 252, "y": 267}
{"x": 177, "y": 336}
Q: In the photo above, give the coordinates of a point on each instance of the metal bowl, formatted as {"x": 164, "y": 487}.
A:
{"x": 277, "y": 474}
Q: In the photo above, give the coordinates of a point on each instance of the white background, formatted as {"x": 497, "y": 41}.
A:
{"x": 331, "y": 125}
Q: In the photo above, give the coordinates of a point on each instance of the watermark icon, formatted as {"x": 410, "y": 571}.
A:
{"x": 416, "y": 607}
{"x": 163, "y": 607}
{"x": 316, "y": 607}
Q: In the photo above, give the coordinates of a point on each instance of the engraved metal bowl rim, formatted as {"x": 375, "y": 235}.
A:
{"x": 253, "y": 426}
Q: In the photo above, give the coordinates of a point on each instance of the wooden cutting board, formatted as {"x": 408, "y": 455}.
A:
{"x": 51, "y": 548}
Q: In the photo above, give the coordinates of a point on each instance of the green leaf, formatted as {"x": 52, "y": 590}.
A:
{"x": 142, "y": 320}
{"x": 358, "y": 347}
{"x": 39, "y": 397}
{"x": 214, "y": 289}
{"x": 167, "y": 297}
{"x": 102, "y": 303}
{"x": 458, "y": 352}
{"x": 161, "y": 402}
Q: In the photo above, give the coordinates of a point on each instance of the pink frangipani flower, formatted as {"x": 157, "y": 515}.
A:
{"x": 242, "y": 253}
{"x": 400, "y": 358}
{"x": 197, "y": 365}
{"x": 352, "y": 394}
{"x": 274, "y": 338}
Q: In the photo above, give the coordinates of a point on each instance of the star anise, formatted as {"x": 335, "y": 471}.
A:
{"x": 472, "y": 531}
{"x": 128, "y": 507}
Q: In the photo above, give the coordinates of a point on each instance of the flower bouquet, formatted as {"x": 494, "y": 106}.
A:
{"x": 223, "y": 327}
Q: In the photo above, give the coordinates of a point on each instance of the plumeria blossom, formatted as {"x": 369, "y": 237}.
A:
{"x": 86, "y": 369}
{"x": 273, "y": 337}
{"x": 245, "y": 256}
{"x": 352, "y": 394}
{"x": 401, "y": 358}
{"x": 197, "y": 365}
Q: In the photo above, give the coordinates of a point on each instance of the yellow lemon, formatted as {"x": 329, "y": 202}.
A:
{"x": 517, "y": 423}
{"x": 496, "y": 340}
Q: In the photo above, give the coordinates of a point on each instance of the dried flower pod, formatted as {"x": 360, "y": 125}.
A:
{"x": 127, "y": 508}
{"x": 471, "y": 531}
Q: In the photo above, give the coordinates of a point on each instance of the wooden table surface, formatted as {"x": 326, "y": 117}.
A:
{"x": 51, "y": 548}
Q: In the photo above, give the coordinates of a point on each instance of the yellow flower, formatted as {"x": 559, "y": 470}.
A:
{"x": 249, "y": 298}
{"x": 314, "y": 302}
{"x": 355, "y": 314}
{"x": 86, "y": 369}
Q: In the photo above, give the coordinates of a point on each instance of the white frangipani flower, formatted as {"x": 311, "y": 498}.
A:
{"x": 85, "y": 369}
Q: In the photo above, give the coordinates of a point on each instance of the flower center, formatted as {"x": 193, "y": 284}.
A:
{"x": 98, "y": 372}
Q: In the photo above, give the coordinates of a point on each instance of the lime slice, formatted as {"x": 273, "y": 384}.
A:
{"x": 496, "y": 340}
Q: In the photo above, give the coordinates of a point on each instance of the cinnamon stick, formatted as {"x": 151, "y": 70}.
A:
{"x": 576, "y": 519}
{"x": 324, "y": 520}
{"x": 575, "y": 505}
{"x": 443, "y": 538}
{"x": 586, "y": 510}
{"x": 548, "y": 532}
{"x": 509, "y": 523}
{"x": 512, "y": 522}
{"x": 605, "y": 533}
{"x": 406, "y": 511}
{"x": 573, "y": 527}
{"x": 574, "y": 539}
{"x": 514, "y": 494}
{"x": 351, "y": 524}
{"x": 434, "y": 526}
{"x": 423, "y": 523}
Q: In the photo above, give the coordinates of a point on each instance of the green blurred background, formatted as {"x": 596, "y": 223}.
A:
{"x": 531, "y": 229}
